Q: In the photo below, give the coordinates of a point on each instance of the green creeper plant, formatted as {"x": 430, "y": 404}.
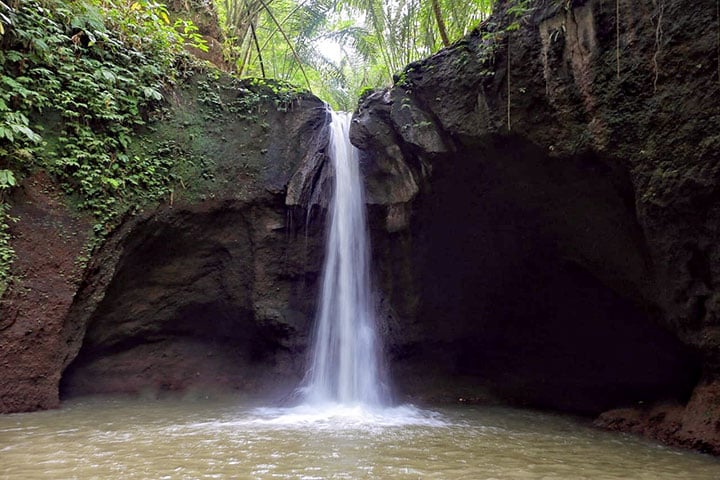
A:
{"x": 7, "y": 254}
{"x": 93, "y": 71}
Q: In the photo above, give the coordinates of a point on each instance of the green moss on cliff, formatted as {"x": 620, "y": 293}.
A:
{"x": 105, "y": 100}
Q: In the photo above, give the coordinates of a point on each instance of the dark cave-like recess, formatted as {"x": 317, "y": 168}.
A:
{"x": 210, "y": 300}
{"x": 535, "y": 282}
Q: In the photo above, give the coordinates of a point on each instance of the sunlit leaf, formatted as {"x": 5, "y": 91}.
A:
{"x": 7, "y": 179}
{"x": 150, "y": 92}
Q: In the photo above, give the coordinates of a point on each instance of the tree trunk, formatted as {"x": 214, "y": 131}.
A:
{"x": 440, "y": 22}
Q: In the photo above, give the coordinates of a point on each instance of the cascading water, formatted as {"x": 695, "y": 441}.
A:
{"x": 344, "y": 386}
{"x": 345, "y": 367}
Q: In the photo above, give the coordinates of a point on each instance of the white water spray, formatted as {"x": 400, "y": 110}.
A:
{"x": 344, "y": 386}
{"x": 345, "y": 366}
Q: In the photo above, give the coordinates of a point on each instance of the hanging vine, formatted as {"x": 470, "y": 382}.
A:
{"x": 516, "y": 11}
{"x": 508, "y": 82}
{"x": 617, "y": 36}
{"x": 658, "y": 40}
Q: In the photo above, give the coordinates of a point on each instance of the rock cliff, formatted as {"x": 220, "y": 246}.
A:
{"x": 558, "y": 184}
{"x": 214, "y": 288}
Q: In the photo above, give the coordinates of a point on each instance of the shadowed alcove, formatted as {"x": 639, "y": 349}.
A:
{"x": 532, "y": 279}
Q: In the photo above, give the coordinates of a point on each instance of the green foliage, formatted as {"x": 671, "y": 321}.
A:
{"x": 7, "y": 254}
{"x": 250, "y": 97}
{"x": 191, "y": 34}
{"x": 100, "y": 69}
{"x": 284, "y": 39}
{"x": 517, "y": 10}
{"x": 7, "y": 179}
{"x": 94, "y": 72}
{"x": 5, "y": 17}
{"x": 281, "y": 94}
{"x": 398, "y": 33}
{"x": 364, "y": 93}
{"x": 273, "y": 37}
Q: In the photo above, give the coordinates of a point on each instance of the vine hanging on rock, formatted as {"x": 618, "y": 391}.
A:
{"x": 658, "y": 40}
{"x": 617, "y": 36}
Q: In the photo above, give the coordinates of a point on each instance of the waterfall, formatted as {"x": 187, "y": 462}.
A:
{"x": 344, "y": 386}
{"x": 345, "y": 367}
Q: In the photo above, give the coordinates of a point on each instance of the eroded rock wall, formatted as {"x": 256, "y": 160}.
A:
{"x": 49, "y": 241}
{"x": 544, "y": 217}
{"x": 561, "y": 184}
{"x": 213, "y": 288}
{"x": 212, "y": 296}
{"x": 215, "y": 291}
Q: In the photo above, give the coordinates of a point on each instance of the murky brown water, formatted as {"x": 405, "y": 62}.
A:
{"x": 172, "y": 439}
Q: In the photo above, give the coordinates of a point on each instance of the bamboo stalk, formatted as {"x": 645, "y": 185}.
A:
{"x": 440, "y": 23}
{"x": 289, "y": 43}
{"x": 259, "y": 52}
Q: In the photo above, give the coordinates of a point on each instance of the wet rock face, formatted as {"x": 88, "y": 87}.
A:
{"x": 47, "y": 242}
{"x": 561, "y": 207}
{"x": 215, "y": 297}
{"x": 217, "y": 290}
{"x": 212, "y": 289}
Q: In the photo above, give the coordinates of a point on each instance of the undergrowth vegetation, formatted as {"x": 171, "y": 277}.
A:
{"x": 79, "y": 80}
{"x": 76, "y": 80}
{"x": 100, "y": 71}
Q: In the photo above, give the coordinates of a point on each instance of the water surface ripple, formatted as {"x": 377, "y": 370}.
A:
{"x": 173, "y": 439}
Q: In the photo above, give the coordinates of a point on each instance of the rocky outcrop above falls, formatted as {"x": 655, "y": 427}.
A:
{"x": 559, "y": 186}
